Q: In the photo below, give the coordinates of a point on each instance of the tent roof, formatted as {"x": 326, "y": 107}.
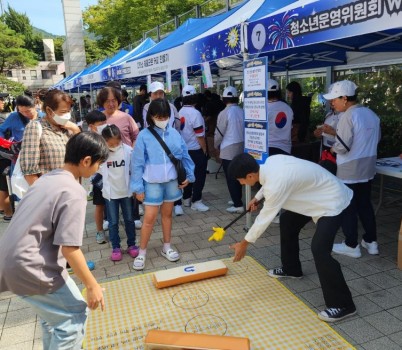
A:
{"x": 144, "y": 46}
{"x": 187, "y": 31}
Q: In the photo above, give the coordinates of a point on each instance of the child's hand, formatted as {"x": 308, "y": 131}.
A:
{"x": 140, "y": 196}
{"x": 184, "y": 184}
{"x": 95, "y": 297}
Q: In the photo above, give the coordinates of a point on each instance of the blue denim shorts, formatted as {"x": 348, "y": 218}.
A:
{"x": 157, "y": 193}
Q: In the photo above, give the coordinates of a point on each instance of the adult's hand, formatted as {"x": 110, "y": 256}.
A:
{"x": 240, "y": 249}
{"x": 253, "y": 204}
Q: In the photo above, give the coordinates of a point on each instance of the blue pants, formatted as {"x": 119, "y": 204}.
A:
{"x": 63, "y": 316}
{"x": 126, "y": 205}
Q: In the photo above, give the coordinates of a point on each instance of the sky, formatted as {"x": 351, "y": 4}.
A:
{"x": 44, "y": 14}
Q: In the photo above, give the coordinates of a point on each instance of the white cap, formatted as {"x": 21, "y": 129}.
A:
{"x": 230, "y": 91}
{"x": 273, "y": 85}
{"x": 188, "y": 90}
{"x": 156, "y": 86}
{"x": 341, "y": 88}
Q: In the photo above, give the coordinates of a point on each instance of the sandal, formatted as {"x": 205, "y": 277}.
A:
{"x": 171, "y": 255}
{"x": 7, "y": 218}
{"x": 139, "y": 263}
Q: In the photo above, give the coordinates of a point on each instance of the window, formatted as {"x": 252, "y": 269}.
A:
{"x": 47, "y": 74}
{"x": 23, "y": 71}
{"x": 34, "y": 75}
{"x": 9, "y": 73}
{"x": 24, "y": 78}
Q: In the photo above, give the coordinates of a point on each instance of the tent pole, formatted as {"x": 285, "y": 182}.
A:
{"x": 244, "y": 49}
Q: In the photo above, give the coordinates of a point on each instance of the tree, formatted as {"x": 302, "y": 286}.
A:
{"x": 20, "y": 23}
{"x": 126, "y": 20}
{"x": 12, "y": 53}
{"x": 93, "y": 52}
{"x": 11, "y": 87}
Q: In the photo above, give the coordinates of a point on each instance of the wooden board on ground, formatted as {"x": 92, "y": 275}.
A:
{"x": 244, "y": 303}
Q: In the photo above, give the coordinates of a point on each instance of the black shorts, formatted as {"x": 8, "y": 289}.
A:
{"x": 97, "y": 198}
{"x": 3, "y": 183}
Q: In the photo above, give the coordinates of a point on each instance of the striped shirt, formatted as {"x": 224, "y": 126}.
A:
{"x": 43, "y": 151}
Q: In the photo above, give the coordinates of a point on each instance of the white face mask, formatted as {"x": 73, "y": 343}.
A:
{"x": 62, "y": 119}
{"x": 114, "y": 149}
{"x": 161, "y": 123}
{"x": 100, "y": 128}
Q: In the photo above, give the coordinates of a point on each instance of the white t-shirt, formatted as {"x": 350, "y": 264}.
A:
{"x": 280, "y": 117}
{"x": 192, "y": 126}
{"x": 116, "y": 168}
{"x": 300, "y": 186}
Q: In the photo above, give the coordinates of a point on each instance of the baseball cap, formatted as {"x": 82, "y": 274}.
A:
{"x": 273, "y": 85}
{"x": 230, "y": 91}
{"x": 188, "y": 90}
{"x": 341, "y": 88}
{"x": 156, "y": 86}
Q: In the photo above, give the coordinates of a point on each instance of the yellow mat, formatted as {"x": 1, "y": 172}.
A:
{"x": 244, "y": 303}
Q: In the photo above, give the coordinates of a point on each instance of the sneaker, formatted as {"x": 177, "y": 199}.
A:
{"x": 342, "y": 248}
{"x": 199, "y": 206}
{"x": 279, "y": 273}
{"x": 100, "y": 237}
{"x": 234, "y": 210}
{"x": 7, "y": 218}
{"x": 171, "y": 255}
{"x": 187, "y": 202}
{"x": 139, "y": 262}
{"x": 178, "y": 210}
{"x": 105, "y": 225}
{"x": 230, "y": 202}
{"x": 372, "y": 248}
{"x": 276, "y": 219}
{"x": 140, "y": 210}
{"x": 133, "y": 251}
{"x": 138, "y": 223}
{"x": 116, "y": 254}
{"x": 334, "y": 314}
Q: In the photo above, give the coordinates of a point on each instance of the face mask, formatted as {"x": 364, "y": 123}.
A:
{"x": 62, "y": 119}
{"x": 161, "y": 124}
{"x": 114, "y": 149}
{"x": 100, "y": 128}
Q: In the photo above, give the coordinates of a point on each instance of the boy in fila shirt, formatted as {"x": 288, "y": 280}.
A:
{"x": 116, "y": 192}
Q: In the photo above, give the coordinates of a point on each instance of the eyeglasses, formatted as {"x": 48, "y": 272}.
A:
{"x": 111, "y": 101}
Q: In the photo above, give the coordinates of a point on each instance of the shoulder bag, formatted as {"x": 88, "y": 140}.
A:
{"x": 181, "y": 172}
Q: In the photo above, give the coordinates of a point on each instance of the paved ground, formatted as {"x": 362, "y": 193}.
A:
{"x": 375, "y": 281}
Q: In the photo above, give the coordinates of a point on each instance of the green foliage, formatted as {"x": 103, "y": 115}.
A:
{"x": 12, "y": 87}
{"x": 12, "y": 53}
{"x": 126, "y": 20}
{"x": 93, "y": 52}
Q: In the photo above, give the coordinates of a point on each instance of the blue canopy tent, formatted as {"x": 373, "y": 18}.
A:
{"x": 311, "y": 33}
{"x": 196, "y": 41}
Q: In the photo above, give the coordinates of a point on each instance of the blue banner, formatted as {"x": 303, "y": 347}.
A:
{"x": 322, "y": 21}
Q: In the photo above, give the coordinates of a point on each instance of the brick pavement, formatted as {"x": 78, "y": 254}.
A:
{"x": 375, "y": 281}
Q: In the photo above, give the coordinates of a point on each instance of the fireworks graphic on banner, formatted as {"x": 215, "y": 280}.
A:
{"x": 205, "y": 53}
{"x": 233, "y": 40}
{"x": 280, "y": 35}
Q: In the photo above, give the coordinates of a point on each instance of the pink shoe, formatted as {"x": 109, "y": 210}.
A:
{"x": 133, "y": 251}
{"x": 116, "y": 255}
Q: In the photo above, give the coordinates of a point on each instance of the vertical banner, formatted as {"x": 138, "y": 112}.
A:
{"x": 168, "y": 87}
{"x": 184, "y": 77}
{"x": 149, "y": 81}
{"x": 206, "y": 75}
{"x": 255, "y": 108}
